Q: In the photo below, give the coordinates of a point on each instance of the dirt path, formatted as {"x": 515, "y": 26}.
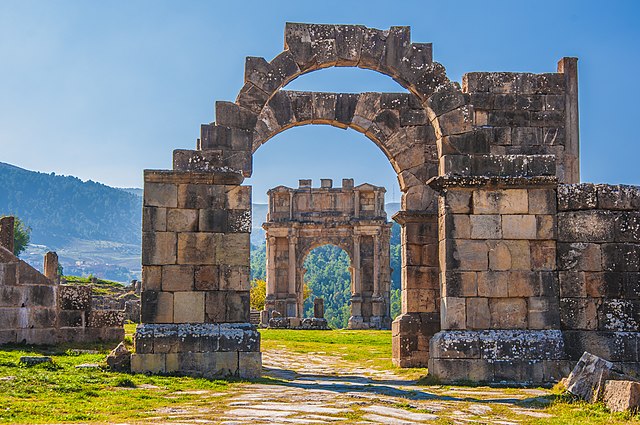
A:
{"x": 317, "y": 389}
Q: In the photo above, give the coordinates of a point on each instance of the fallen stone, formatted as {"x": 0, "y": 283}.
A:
{"x": 588, "y": 377}
{"x": 34, "y": 360}
{"x": 119, "y": 359}
{"x": 620, "y": 396}
{"x": 88, "y": 366}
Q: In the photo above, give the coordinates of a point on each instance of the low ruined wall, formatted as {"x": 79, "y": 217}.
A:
{"x": 599, "y": 270}
{"x": 37, "y": 310}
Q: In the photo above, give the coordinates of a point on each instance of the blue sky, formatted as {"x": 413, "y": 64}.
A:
{"x": 103, "y": 90}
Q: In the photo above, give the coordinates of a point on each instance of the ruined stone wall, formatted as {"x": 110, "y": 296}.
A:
{"x": 599, "y": 271}
{"x": 37, "y": 310}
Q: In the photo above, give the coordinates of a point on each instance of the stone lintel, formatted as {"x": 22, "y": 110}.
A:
{"x": 193, "y": 177}
{"x": 441, "y": 183}
{"x": 404, "y": 217}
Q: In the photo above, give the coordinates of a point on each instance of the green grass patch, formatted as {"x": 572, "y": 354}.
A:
{"x": 59, "y": 392}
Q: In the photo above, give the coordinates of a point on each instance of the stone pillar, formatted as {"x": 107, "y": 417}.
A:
{"x": 292, "y": 299}
{"x": 6, "y": 232}
{"x": 318, "y": 308}
{"x": 356, "y": 203}
{"x": 376, "y": 265}
{"x": 355, "y": 321}
{"x": 271, "y": 273}
{"x": 499, "y": 281}
{"x": 51, "y": 266}
{"x": 569, "y": 67}
{"x": 195, "y": 256}
{"x": 290, "y": 205}
{"x": 420, "y": 290}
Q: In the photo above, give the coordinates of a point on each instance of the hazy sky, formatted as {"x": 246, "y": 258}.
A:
{"x": 103, "y": 90}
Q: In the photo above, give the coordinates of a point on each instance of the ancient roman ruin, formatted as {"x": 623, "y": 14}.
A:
{"x": 352, "y": 218}
{"x": 36, "y": 309}
{"x": 511, "y": 268}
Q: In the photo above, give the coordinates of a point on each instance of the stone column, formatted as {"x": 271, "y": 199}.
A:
{"x": 291, "y": 205}
{"x": 51, "y": 266}
{"x": 356, "y": 321}
{"x": 292, "y": 299}
{"x": 356, "y": 203}
{"x": 376, "y": 265}
{"x": 271, "y": 266}
{"x": 6, "y": 232}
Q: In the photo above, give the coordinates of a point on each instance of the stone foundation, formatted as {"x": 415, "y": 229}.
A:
{"x": 510, "y": 356}
{"x": 205, "y": 349}
{"x": 308, "y": 323}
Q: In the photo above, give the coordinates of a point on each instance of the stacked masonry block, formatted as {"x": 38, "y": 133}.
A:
{"x": 420, "y": 318}
{"x": 195, "y": 296}
{"x": 499, "y": 312}
{"x": 599, "y": 271}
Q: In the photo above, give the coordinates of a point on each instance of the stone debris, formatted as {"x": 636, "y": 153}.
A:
{"x": 88, "y": 366}
{"x": 588, "y": 378}
{"x": 34, "y": 360}
{"x": 119, "y": 359}
{"x": 620, "y": 396}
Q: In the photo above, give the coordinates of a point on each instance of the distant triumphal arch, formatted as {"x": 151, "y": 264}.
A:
{"x": 352, "y": 218}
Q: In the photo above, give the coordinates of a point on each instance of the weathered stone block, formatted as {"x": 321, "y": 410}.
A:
{"x": 579, "y": 256}
{"x": 207, "y": 278}
{"x": 105, "y": 318}
{"x": 160, "y": 195}
{"x": 627, "y": 226}
{"x": 542, "y": 201}
{"x": 74, "y": 297}
{"x": 469, "y": 255}
{"x": 586, "y": 226}
{"x": 621, "y": 257}
{"x": 618, "y": 197}
{"x": 202, "y": 196}
{"x": 213, "y": 220}
{"x": 8, "y": 274}
{"x": 579, "y": 313}
{"x": 453, "y": 313}
{"x": 234, "y": 278}
{"x": 151, "y": 278}
{"x": 459, "y": 284}
{"x": 519, "y": 227}
{"x": 577, "y": 197}
{"x": 249, "y": 365}
{"x": 621, "y": 396}
{"x": 543, "y": 313}
{"x": 198, "y": 248}
{"x": 156, "y": 307}
{"x": 158, "y": 248}
{"x": 154, "y": 219}
{"x": 506, "y": 201}
{"x": 148, "y": 363}
{"x": 524, "y": 283}
{"x": 239, "y": 221}
{"x": 233, "y": 249}
{"x": 238, "y": 197}
{"x": 573, "y": 284}
{"x": 493, "y": 284}
{"x": 70, "y": 318}
{"x": 508, "y": 313}
{"x": 458, "y": 201}
{"x": 478, "y": 314}
{"x": 182, "y": 220}
{"x": 41, "y": 296}
{"x": 177, "y": 278}
{"x": 543, "y": 255}
{"x": 485, "y": 227}
{"x": 188, "y": 307}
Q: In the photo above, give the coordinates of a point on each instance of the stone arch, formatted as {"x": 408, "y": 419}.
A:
{"x": 351, "y": 218}
{"x": 310, "y": 47}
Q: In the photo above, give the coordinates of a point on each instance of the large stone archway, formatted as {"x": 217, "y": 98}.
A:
{"x": 352, "y": 218}
{"x": 479, "y": 168}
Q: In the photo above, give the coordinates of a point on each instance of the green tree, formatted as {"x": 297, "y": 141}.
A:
{"x": 258, "y": 294}
{"x": 21, "y": 236}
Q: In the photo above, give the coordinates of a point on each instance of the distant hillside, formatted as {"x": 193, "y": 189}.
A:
{"x": 62, "y": 208}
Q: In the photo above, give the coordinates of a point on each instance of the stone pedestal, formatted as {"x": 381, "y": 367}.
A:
{"x": 205, "y": 349}
{"x": 509, "y": 356}
{"x": 410, "y": 335}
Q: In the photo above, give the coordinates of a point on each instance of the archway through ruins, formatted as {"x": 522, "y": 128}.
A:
{"x": 336, "y": 292}
{"x": 350, "y": 217}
